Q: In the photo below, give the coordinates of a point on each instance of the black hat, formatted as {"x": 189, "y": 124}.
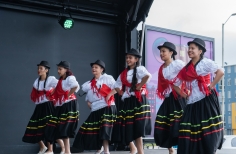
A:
{"x": 170, "y": 46}
{"x": 64, "y": 64}
{"x": 199, "y": 42}
{"x": 134, "y": 52}
{"x": 44, "y": 63}
{"x": 100, "y": 63}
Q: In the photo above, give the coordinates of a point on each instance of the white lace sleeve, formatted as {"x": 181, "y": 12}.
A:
{"x": 142, "y": 72}
{"x": 179, "y": 64}
{"x": 86, "y": 86}
{"x": 210, "y": 66}
{"x": 72, "y": 83}
{"x": 110, "y": 81}
{"x": 35, "y": 85}
{"x": 86, "y": 98}
{"x": 53, "y": 82}
{"x": 118, "y": 83}
{"x": 177, "y": 82}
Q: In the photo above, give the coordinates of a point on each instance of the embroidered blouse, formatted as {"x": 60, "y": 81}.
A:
{"x": 204, "y": 67}
{"x": 171, "y": 71}
{"x": 94, "y": 97}
{"x": 141, "y": 72}
{"x": 38, "y": 94}
{"x": 67, "y": 84}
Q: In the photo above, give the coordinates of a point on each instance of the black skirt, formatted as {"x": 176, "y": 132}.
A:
{"x": 201, "y": 128}
{"x": 95, "y": 129}
{"x": 35, "y": 130}
{"x": 166, "y": 131}
{"x": 133, "y": 121}
{"x": 63, "y": 123}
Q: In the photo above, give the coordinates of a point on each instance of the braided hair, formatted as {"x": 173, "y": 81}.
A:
{"x": 47, "y": 74}
{"x": 201, "y": 57}
{"x": 134, "y": 79}
{"x": 173, "y": 56}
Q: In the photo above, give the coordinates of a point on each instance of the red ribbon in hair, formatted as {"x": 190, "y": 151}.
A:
{"x": 164, "y": 86}
{"x": 36, "y": 95}
{"x": 103, "y": 91}
{"x": 187, "y": 76}
{"x": 138, "y": 93}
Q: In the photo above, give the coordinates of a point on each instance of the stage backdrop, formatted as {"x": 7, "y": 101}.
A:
{"x": 26, "y": 39}
{"x": 154, "y": 37}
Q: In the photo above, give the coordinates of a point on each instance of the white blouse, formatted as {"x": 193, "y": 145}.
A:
{"x": 141, "y": 72}
{"x": 171, "y": 71}
{"x": 67, "y": 84}
{"x": 204, "y": 67}
{"x": 50, "y": 83}
{"x": 98, "y": 102}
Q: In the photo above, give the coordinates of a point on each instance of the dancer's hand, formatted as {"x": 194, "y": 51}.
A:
{"x": 121, "y": 93}
{"x": 138, "y": 88}
{"x": 210, "y": 87}
{"x": 108, "y": 97}
{"x": 184, "y": 95}
{"x": 89, "y": 105}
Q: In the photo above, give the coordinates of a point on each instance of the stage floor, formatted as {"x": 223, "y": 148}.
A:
{"x": 164, "y": 151}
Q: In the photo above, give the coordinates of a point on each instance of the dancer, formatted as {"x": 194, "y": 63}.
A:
{"x": 134, "y": 120}
{"x": 63, "y": 124}
{"x": 41, "y": 95}
{"x": 201, "y": 127}
{"x": 96, "y": 131}
{"x": 170, "y": 112}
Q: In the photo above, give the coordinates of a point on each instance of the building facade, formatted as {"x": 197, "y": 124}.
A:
{"x": 230, "y": 99}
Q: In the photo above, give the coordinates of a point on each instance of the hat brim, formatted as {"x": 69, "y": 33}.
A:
{"x": 204, "y": 49}
{"x": 63, "y": 66}
{"x": 134, "y": 55}
{"x": 43, "y": 65}
{"x": 91, "y": 64}
{"x": 174, "y": 52}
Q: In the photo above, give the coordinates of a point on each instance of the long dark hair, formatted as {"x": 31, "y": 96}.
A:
{"x": 47, "y": 74}
{"x": 68, "y": 73}
{"x": 201, "y": 57}
{"x": 172, "y": 56}
{"x": 134, "y": 79}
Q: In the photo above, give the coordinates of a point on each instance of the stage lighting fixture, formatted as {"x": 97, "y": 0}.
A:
{"x": 66, "y": 22}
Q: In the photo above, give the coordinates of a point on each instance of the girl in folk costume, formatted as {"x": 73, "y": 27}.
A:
{"x": 96, "y": 131}
{"x": 41, "y": 95}
{"x": 169, "y": 114}
{"x": 63, "y": 124}
{"x": 134, "y": 120}
{"x": 201, "y": 127}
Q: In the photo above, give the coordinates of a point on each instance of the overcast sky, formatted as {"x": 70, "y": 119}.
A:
{"x": 202, "y": 17}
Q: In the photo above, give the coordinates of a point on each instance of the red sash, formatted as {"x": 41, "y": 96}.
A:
{"x": 103, "y": 91}
{"x": 164, "y": 86}
{"x": 187, "y": 76}
{"x": 61, "y": 95}
{"x": 125, "y": 83}
{"x": 36, "y": 95}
